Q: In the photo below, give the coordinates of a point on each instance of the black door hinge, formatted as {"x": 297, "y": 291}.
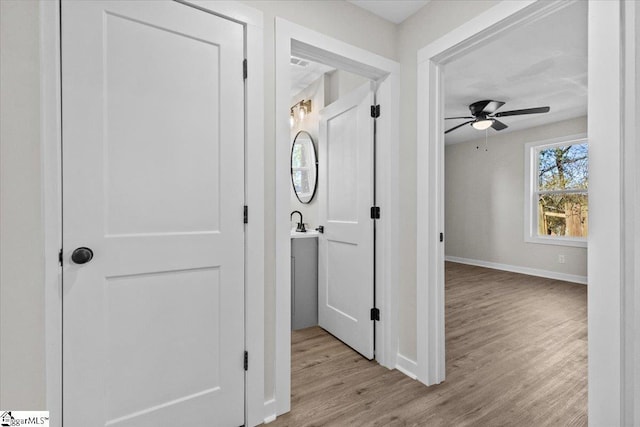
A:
{"x": 375, "y": 111}
{"x": 246, "y": 360}
{"x": 245, "y": 214}
{"x": 375, "y": 314}
{"x": 60, "y": 257}
{"x": 375, "y": 212}
{"x": 442, "y": 237}
{"x": 244, "y": 69}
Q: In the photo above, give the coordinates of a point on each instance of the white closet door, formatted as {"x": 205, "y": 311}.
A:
{"x": 153, "y": 332}
{"x": 345, "y": 257}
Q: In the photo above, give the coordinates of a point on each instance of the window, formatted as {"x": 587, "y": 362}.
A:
{"x": 557, "y": 191}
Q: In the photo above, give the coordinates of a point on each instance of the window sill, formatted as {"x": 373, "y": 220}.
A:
{"x": 559, "y": 241}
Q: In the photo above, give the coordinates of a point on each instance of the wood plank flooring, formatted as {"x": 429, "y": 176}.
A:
{"x": 516, "y": 356}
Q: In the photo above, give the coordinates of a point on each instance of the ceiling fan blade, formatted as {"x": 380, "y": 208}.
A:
{"x": 536, "y": 110}
{"x": 492, "y": 106}
{"x": 456, "y": 127}
{"x": 451, "y": 118}
{"x": 498, "y": 125}
{"x": 485, "y": 107}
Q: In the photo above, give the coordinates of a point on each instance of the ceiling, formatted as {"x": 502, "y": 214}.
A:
{"x": 305, "y": 72}
{"x": 394, "y": 11}
{"x": 542, "y": 63}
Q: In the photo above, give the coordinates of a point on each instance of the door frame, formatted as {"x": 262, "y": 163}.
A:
{"x": 303, "y": 42}
{"x": 612, "y": 104}
{"x": 51, "y": 146}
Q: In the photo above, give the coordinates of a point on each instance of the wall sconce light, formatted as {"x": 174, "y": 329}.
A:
{"x": 304, "y": 107}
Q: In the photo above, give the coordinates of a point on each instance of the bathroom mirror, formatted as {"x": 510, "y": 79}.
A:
{"x": 304, "y": 167}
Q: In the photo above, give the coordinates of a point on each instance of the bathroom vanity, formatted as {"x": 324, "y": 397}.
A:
{"x": 304, "y": 279}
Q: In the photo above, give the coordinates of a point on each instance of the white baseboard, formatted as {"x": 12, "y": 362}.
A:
{"x": 522, "y": 270}
{"x": 406, "y": 366}
{"x": 269, "y": 411}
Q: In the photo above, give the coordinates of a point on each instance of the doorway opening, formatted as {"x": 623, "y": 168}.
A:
{"x": 321, "y": 117}
{"x": 332, "y": 231}
{"x": 328, "y": 192}
{"x": 516, "y": 215}
{"x": 490, "y": 151}
{"x": 333, "y": 293}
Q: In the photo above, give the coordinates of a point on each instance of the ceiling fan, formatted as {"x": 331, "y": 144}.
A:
{"x": 483, "y": 115}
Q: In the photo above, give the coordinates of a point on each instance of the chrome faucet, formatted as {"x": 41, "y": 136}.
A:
{"x": 300, "y": 228}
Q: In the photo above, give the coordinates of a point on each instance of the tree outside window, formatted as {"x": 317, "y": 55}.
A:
{"x": 557, "y": 199}
{"x": 563, "y": 183}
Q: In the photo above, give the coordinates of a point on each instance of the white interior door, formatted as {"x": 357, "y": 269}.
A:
{"x": 345, "y": 250}
{"x": 153, "y": 184}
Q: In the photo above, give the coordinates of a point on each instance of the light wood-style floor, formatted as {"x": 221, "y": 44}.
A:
{"x": 516, "y": 356}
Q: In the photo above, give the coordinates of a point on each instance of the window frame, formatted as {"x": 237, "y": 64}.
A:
{"x": 531, "y": 191}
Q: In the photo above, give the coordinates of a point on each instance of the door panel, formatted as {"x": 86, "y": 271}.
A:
{"x": 154, "y": 323}
{"x": 173, "y": 311}
{"x": 145, "y": 192}
{"x": 345, "y": 257}
{"x": 342, "y": 171}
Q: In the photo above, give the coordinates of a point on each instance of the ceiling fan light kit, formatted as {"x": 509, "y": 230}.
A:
{"x": 482, "y": 124}
{"x": 483, "y": 114}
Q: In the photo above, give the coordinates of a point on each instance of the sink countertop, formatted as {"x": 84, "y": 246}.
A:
{"x": 307, "y": 235}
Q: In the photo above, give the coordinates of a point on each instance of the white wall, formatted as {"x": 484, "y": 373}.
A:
{"x": 633, "y": 343}
{"x": 431, "y": 22}
{"x": 22, "y": 336}
{"x": 484, "y": 202}
{"x": 631, "y": 294}
{"x": 340, "y": 83}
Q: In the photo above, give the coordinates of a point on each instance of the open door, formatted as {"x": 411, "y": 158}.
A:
{"x": 345, "y": 250}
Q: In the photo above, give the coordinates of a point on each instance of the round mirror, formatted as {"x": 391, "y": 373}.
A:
{"x": 304, "y": 167}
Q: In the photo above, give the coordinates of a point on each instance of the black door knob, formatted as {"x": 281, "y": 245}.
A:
{"x": 82, "y": 255}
